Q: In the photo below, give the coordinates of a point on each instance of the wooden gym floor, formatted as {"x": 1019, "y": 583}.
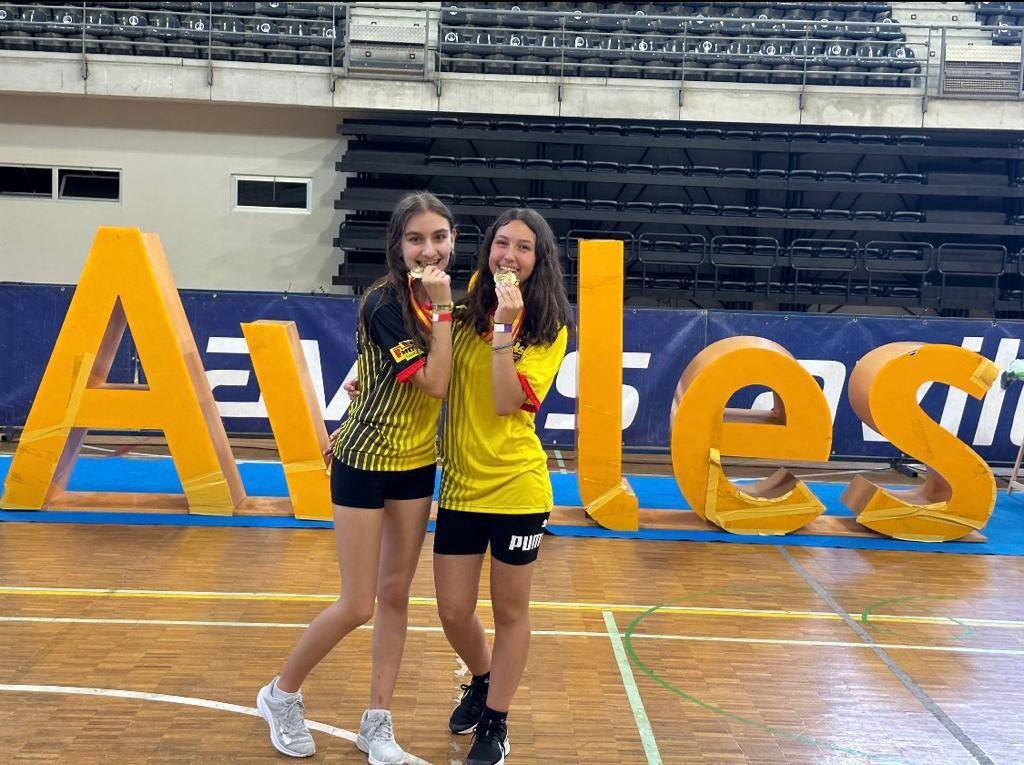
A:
{"x": 751, "y": 654}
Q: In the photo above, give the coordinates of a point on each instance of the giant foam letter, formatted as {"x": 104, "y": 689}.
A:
{"x": 799, "y": 427}
{"x": 294, "y": 414}
{"x": 607, "y": 497}
{"x": 959, "y": 493}
{"x": 126, "y": 282}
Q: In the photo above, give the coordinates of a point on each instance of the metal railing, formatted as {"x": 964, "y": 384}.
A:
{"x": 562, "y": 46}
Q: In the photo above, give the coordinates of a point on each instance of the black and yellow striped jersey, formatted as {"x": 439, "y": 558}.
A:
{"x": 491, "y": 463}
{"x": 392, "y": 424}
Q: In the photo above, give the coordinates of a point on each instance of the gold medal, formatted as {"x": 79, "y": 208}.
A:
{"x": 504, "y": 276}
{"x": 417, "y": 272}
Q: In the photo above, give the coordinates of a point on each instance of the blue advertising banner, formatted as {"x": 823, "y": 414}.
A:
{"x": 658, "y": 344}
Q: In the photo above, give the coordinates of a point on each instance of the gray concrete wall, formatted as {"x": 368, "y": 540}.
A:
{"x": 176, "y": 162}
{"x": 614, "y": 98}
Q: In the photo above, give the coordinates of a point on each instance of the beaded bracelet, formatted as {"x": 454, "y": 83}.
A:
{"x": 504, "y": 347}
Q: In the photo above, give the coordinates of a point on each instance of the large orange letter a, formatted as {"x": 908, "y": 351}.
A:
{"x": 126, "y": 282}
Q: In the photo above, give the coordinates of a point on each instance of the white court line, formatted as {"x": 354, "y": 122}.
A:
{"x": 330, "y": 730}
{"x": 643, "y": 724}
{"x": 538, "y": 633}
{"x": 539, "y": 604}
{"x": 559, "y": 461}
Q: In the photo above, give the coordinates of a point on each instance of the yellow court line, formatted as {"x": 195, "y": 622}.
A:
{"x": 538, "y": 605}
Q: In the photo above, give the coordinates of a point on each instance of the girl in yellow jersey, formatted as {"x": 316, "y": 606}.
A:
{"x": 510, "y": 337}
{"x": 382, "y": 474}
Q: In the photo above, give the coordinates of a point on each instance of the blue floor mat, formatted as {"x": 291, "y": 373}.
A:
{"x": 1004, "y": 532}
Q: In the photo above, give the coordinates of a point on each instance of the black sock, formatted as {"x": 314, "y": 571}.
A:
{"x": 483, "y": 679}
{"x": 491, "y": 715}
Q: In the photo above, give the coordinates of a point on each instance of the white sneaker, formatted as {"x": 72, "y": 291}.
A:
{"x": 288, "y": 731}
{"x": 377, "y": 738}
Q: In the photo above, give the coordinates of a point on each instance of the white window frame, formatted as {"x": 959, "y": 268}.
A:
{"x": 272, "y": 179}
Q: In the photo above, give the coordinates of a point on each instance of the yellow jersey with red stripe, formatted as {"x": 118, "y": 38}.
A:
{"x": 491, "y": 463}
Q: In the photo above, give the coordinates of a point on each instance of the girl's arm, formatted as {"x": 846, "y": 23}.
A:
{"x": 508, "y": 390}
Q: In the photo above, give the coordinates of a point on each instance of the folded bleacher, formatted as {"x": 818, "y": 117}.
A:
{"x": 736, "y": 215}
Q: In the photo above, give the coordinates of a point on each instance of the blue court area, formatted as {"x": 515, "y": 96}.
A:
{"x": 1004, "y": 532}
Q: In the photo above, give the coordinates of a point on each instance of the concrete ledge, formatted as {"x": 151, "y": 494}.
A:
{"x": 571, "y": 97}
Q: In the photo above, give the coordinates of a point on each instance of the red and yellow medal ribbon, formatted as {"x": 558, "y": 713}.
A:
{"x": 422, "y": 312}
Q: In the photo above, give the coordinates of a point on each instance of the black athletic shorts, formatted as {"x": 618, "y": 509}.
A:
{"x": 514, "y": 539}
{"x": 352, "y": 487}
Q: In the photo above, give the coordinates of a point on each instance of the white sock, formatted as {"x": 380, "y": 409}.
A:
{"x": 277, "y": 693}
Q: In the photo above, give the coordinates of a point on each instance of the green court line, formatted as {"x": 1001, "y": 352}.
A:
{"x": 628, "y": 640}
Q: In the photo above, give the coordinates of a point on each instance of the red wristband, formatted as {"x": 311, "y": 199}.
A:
{"x": 442, "y": 316}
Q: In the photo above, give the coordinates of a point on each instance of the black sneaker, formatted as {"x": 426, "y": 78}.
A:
{"x": 490, "y": 744}
{"x": 470, "y": 709}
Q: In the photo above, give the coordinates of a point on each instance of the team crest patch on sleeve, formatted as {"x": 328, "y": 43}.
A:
{"x": 404, "y": 351}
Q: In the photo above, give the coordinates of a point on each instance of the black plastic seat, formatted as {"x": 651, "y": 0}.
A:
{"x": 837, "y": 176}
{"x": 707, "y": 133}
{"x": 637, "y": 167}
{"x": 472, "y": 200}
{"x": 907, "y": 216}
{"x": 670, "y": 208}
{"x": 835, "y": 214}
{"x": 768, "y": 212}
{"x": 507, "y": 162}
{"x": 703, "y": 209}
{"x": 474, "y": 162}
{"x": 914, "y": 178}
{"x": 604, "y": 166}
{"x": 572, "y": 203}
{"x": 805, "y": 175}
{"x": 573, "y": 165}
{"x": 868, "y": 215}
{"x": 540, "y": 203}
{"x": 638, "y": 207}
{"x": 773, "y": 173}
{"x": 672, "y": 170}
{"x": 605, "y": 205}
{"x": 704, "y": 170}
{"x": 737, "y": 172}
{"x": 875, "y": 138}
{"x": 870, "y": 177}
{"x": 738, "y": 211}
{"x": 441, "y": 159}
{"x": 812, "y": 136}
{"x": 540, "y": 164}
{"x": 802, "y": 213}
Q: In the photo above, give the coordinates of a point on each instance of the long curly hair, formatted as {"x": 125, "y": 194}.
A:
{"x": 545, "y": 305}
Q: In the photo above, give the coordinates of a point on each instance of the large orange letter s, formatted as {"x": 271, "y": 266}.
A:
{"x": 959, "y": 493}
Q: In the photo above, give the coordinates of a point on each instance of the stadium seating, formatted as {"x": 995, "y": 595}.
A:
{"x": 307, "y": 34}
{"x": 790, "y": 43}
